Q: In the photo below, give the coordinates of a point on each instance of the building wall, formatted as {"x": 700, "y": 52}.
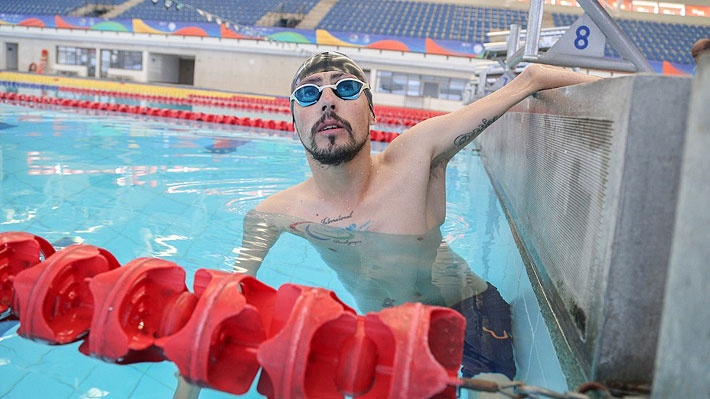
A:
{"x": 246, "y": 72}
{"x": 163, "y": 67}
{"x": 245, "y": 66}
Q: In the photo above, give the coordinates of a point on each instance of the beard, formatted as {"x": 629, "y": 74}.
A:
{"x": 330, "y": 154}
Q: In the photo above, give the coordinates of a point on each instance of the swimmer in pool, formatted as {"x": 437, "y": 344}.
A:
{"x": 375, "y": 218}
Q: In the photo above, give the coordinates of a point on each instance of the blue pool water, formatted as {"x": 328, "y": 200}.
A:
{"x": 179, "y": 191}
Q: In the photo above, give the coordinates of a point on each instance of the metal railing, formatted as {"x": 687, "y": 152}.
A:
{"x": 633, "y": 60}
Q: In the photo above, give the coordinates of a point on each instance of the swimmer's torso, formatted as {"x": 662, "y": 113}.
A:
{"x": 382, "y": 270}
{"x": 385, "y": 247}
{"x": 398, "y": 200}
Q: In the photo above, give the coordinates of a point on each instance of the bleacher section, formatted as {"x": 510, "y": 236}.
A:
{"x": 62, "y": 7}
{"x": 420, "y": 19}
{"x": 658, "y": 41}
{"x": 244, "y": 12}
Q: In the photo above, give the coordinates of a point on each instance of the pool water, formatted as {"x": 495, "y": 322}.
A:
{"x": 179, "y": 190}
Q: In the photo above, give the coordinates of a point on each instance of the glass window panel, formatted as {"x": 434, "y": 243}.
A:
{"x": 135, "y": 60}
{"x": 399, "y": 82}
{"x": 431, "y": 89}
{"x": 414, "y": 85}
{"x": 457, "y": 88}
{"x": 420, "y": 85}
{"x": 61, "y": 55}
{"x": 384, "y": 81}
{"x": 71, "y": 55}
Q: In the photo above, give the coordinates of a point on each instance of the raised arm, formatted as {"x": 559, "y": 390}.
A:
{"x": 443, "y": 136}
{"x": 260, "y": 234}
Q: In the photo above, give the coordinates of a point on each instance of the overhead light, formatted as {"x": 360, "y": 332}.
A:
{"x": 208, "y": 16}
{"x": 179, "y": 6}
{"x": 155, "y": 1}
{"x": 168, "y": 3}
{"x": 218, "y": 21}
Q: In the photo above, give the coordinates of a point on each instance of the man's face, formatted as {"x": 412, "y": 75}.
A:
{"x": 332, "y": 130}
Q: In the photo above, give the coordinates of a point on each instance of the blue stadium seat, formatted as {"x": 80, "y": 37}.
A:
{"x": 44, "y": 7}
{"x": 244, "y": 12}
{"x": 656, "y": 40}
{"x": 421, "y": 19}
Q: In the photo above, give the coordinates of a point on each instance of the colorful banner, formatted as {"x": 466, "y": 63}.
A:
{"x": 672, "y": 68}
{"x": 318, "y": 36}
{"x": 697, "y": 11}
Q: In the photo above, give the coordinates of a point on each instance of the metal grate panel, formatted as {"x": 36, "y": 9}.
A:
{"x": 588, "y": 176}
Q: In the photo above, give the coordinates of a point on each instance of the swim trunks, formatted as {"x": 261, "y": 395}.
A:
{"x": 488, "y": 345}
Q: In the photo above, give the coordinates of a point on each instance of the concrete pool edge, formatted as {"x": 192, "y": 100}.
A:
{"x": 571, "y": 369}
{"x": 589, "y": 174}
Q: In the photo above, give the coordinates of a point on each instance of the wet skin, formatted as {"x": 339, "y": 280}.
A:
{"x": 380, "y": 270}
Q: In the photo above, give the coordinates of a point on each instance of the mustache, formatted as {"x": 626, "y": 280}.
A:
{"x": 331, "y": 115}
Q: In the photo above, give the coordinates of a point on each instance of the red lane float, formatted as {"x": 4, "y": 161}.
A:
{"x": 217, "y": 347}
{"x": 308, "y": 343}
{"x": 300, "y": 358}
{"x": 18, "y": 251}
{"x": 53, "y": 299}
{"x": 133, "y": 305}
{"x": 375, "y": 135}
{"x": 414, "y": 344}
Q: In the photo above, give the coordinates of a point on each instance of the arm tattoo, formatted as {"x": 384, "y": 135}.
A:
{"x": 459, "y": 142}
{"x": 466, "y": 138}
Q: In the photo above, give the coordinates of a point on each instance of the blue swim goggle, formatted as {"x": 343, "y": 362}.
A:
{"x": 347, "y": 89}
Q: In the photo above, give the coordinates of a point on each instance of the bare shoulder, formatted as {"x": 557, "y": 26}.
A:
{"x": 283, "y": 201}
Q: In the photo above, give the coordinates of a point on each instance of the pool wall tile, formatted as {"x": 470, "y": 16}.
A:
{"x": 10, "y": 376}
{"x": 38, "y": 385}
{"x": 56, "y": 364}
{"x": 149, "y": 388}
{"x": 118, "y": 381}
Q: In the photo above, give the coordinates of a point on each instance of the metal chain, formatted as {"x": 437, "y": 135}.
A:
{"x": 518, "y": 390}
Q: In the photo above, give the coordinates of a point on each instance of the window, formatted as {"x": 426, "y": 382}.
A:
{"x": 454, "y": 89}
{"x": 72, "y": 55}
{"x": 399, "y": 82}
{"x": 389, "y": 82}
{"x": 420, "y": 85}
{"x": 414, "y": 86}
{"x": 121, "y": 59}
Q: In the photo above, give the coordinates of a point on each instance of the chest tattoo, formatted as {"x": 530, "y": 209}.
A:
{"x": 328, "y": 220}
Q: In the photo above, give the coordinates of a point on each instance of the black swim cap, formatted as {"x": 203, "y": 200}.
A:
{"x": 331, "y": 61}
